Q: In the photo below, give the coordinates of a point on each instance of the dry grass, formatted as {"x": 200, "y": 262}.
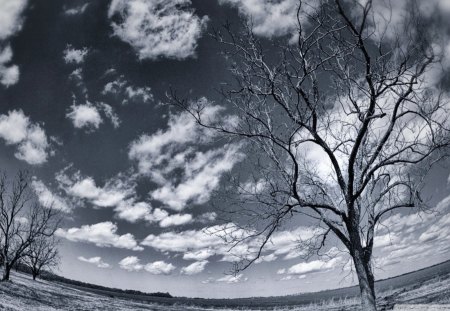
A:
{"x": 25, "y": 294}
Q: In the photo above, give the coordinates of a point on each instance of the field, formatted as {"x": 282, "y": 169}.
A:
{"x": 430, "y": 285}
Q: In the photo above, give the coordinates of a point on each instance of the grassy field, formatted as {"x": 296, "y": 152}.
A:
{"x": 431, "y": 285}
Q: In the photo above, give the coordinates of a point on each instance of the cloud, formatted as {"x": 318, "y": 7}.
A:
{"x": 313, "y": 266}
{"x": 157, "y": 28}
{"x": 231, "y": 279}
{"x": 102, "y": 234}
{"x": 10, "y": 23}
{"x": 95, "y": 261}
{"x": 176, "y": 149}
{"x": 111, "y": 194}
{"x": 110, "y": 114}
{"x": 31, "y": 140}
{"x": 118, "y": 192}
{"x": 131, "y": 263}
{"x": 85, "y": 116}
{"x": 271, "y": 18}
{"x": 122, "y": 87}
{"x": 200, "y": 255}
{"x": 49, "y": 199}
{"x": 202, "y": 177}
{"x": 88, "y": 116}
{"x": 76, "y": 10}
{"x": 75, "y": 56}
{"x": 201, "y": 244}
{"x": 400, "y": 235}
{"x": 194, "y": 268}
{"x": 159, "y": 267}
{"x": 176, "y": 220}
{"x": 9, "y": 74}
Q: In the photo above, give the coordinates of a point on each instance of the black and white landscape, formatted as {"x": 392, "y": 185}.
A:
{"x": 191, "y": 154}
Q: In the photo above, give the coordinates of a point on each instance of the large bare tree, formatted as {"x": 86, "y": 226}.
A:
{"x": 23, "y": 220}
{"x": 344, "y": 120}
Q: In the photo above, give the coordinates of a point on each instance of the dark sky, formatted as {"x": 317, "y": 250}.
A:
{"x": 86, "y": 116}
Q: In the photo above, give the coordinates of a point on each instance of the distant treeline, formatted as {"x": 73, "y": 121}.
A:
{"x": 54, "y": 277}
{"x": 45, "y": 275}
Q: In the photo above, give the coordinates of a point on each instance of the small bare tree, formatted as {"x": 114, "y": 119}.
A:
{"x": 343, "y": 124}
{"x": 42, "y": 254}
{"x": 23, "y": 221}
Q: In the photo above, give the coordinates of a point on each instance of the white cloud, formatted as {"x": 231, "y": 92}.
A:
{"x": 131, "y": 93}
{"x": 131, "y": 263}
{"x": 271, "y": 18}
{"x": 200, "y": 255}
{"x": 95, "y": 261}
{"x": 158, "y": 28}
{"x": 49, "y": 199}
{"x": 110, "y": 114}
{"x": 194, "y": 268}
{"x": 10, "y": 17}
{"x": 31, "y": 140}
{"x": 111, "y": 194}
{"x": 202, "y": 177}
{"x": 176, "y": 220}
{"x": 9, "y": 74}
{"x": 231, "y": 279}
{"x": 88, "y": 115}
{"x": 85, "y": 116}
{"x": 118, "y": 192}
{"x": 160, "y": 154}
{"x": 10, "y": 23}
{"x": 76, "y": 10}
{"x": 103, "y": 234}
{"x": 75, "y": 56}
{"x": 313, "y": 266}
{"x": 159, "y": 267}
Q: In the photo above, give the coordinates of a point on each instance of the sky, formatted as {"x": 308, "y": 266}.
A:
{"x": 83, "y": 89}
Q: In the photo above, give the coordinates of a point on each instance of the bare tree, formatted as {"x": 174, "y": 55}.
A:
{"x": 42, "y": 254}
{"x": 343, "y": 124}
{"x": 23, "y": 221}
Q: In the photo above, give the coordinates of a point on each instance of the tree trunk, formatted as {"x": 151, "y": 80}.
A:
{"x": 34, "y": 276}
{"x": 366, "y": 282}
{"x": 6, "y": 272}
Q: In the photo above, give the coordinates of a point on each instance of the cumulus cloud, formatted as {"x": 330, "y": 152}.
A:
{"x": 95, "y": 261}
{"x": 88, "y": 116}
{"x": 313, "y": 266}
{"x": 47, "y": 198}
{"x": 75, "y": 56}
{"x": 118, "y": 192}
{"x": 157, "y": 28}
{"x": 400, "y": 235}
{"x": 85, "y": 116}
{"x": 131, "y": 263}
{"x": 76, "y": 10}
{"x": 231, "y": 279}
{"x": 30, "y": 139}
{"x": 159, "y": 267}
{"x": 175, "y": 220}
{"x": 194, "y": 268}
{"x": 10, "y": 23}
{"x": 176, "y": 149}
{"x": 269, "y": 18}
{"x": 9, "y": 74}
{"x": 122, "y": 87}
{"x": 103, "y": 234}
{"x": 110, "y": 195}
